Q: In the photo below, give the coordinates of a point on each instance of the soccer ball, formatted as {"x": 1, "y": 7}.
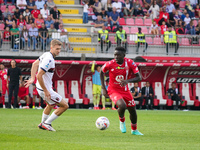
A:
{"x": 102, "y": 123}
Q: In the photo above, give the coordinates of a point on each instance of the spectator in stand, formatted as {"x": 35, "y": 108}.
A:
{"x": 176, "y": 3}
{"x": 176, "y": 17}
{"x": 63, "y": 37}
{"x": 96, "y": 7}
{"x": 55, "y": 14}
{"x": 103, "y": 3}
{"x": 25, "y": 38}
{"x": 21, "y": 22}
{"x": 48, "y": 22}
{"x": 23, "y": 94}
{"x": 9, "y": 22}
{"x": 163, "y": 27}
{"x": 26, "y": 12}
{"x": 35, "y": 12}
{"x": 190, "y": 9}
{"x": 174, "y": 93}
{"x": 137, "y": 94}
{"x": 7, "y": 34}
{"x": 197, "y": 11}
{"x": 114, "y": 18}
{"x": 103, "y": 38}
{"x": 171, "y": 39}
{"x": 14, "y": 37}
{"x": 30, "y": 5}
{"x": 33, "y": 33}
{"x": 1, "y": 16}
{"x": 190, "y": 28}
{"x": 184, "y": 14}
{"x": 154, "y": 10}
{"x": 85, "y": 12}
{"x": 193, "y": 3}
{"x": 164, "y": 16}
{"x": 21, "y": 4}
{"x": 169, "y": 7}
{"x": 43, "y": 34}
{"x": 154, "y": 28}
{"x": 50, "y": 4}
{"x": 187, "y": 19}
{"x": 56, "y": 24}
{"x": 38, "y": 22}
{"x": 104, "y": 17}
{"x": 141, "y": 40}
{"x": 108, "y": 7}
{"x": 118, "y": 6}
{"x": 180, "y": 28}
{"x": 99, "y": 23}
{"x": 121, "y": 37}
{"x": 29, "y": 19}
{"x": 14, "y": 75}
{"x": 147, "y": 93}
{"x": 147, "y": 3}
{"x": 16, "y": 14}
{"x": 128, "y": 8}
{"x": 1, "y": 42}
{"x": 137, "y": 8}
{"x": 51, "y": 30}
{"x": 6, "y": 13}
{"x": 13, "y": 2}
{"x": 45, "y": 12}
{"x": 40, "y": 4}
{"x": 171, "y": 17}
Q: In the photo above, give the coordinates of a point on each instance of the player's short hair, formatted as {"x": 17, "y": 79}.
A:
{"x": 120, "y": 48}
{"x": 173, "y": 83}
{"x": 13, "y": 60}
{"x": 56, "y": 42}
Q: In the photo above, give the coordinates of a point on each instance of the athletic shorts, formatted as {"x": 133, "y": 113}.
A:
{"x": 55, "y": 97}
{"x": 22, "y": 97}
{"x": 96, "y": 89}
{"x": 125, "y": 95}
{"x": 4, "y": 88}
{"x": 35, "y": 92}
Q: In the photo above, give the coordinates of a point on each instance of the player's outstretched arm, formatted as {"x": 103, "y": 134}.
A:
{"x": 136, "y": 79}
{"x": 34, "y": 69}
{"x": 103, "y": 84}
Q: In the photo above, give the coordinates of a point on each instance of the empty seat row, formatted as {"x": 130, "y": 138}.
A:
{"x": 136, "y": 22}
{"x": 11, "y": 8}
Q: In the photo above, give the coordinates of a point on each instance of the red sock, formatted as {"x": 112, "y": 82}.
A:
{"x": 39, "y": 104}
{"x": 27, "y": 104}
{"x": 33, "y": 103}
{"x": 3, "y": 99}
{"x": 134, "y": 126}
{"x": 122, "y": 119}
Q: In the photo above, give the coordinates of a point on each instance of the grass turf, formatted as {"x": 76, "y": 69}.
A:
{"x": 76, "y": 130}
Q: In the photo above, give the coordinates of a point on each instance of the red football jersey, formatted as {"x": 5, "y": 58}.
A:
{"x": 163, "y": 28}
{"x": 35, "y": 13}
{"x": 3, "y": 76}
{"x": 23, "y": 91}
{"x": 119, "y": 72}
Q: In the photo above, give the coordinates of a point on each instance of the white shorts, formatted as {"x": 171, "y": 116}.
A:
{"x": 55, "y": 97}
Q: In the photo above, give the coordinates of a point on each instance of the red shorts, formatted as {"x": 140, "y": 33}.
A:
{"x": 125, "y": 95}
{"x": 35, "y": 92}
{"x": 4, "y": 88}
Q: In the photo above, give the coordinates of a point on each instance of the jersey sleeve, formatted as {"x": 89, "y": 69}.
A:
{"x": 46, "y": 64}
{"x": 106, "y": 67}
{"x": 133, "y": 66}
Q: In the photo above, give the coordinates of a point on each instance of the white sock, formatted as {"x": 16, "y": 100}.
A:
{"x": 44, "y": 117}
{"x": 51, "y": 118}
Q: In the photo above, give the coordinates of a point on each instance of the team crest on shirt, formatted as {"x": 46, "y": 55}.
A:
{"x": 119, "y": 78}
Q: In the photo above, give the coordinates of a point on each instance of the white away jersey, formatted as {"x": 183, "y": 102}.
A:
{"x": 47, "y": 64}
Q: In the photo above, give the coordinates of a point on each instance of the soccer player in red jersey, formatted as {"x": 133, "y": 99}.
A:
{"x": 3, "y": 77}
{"x": 23, "y": 94}
{"x": 120, "y": 69}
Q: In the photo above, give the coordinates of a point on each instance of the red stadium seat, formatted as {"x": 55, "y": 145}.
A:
{"x": 149, "y": 40}
{"x": 186, "y": 92}
{"x": 185, "y": 42}
{"x": 134, "y": 30}
{"x": 147, "y": 22}
{"x": 28, "y": 26}
{"x": 90, "y": 11}
{"x": 139, "y": 22}
{"x": 11, "y": 8}
{"x": 112, "y": 39}
{"x": 157, "y": 41}
{"x": 61, "y": 88}
{"x": 75, "y": 92}
{"x": 129, "y": 41}
{"x": 145, "y": 30}
{"x": 130, "y": 22}
{"x": 121, "y": 1}
{"x": 182, "y": 4}
{"x": 87, "y": 90}
{"x": 3, "y": 8}
{"x": 126, "y": 29}
{"x": 195, "y": 22}
{"x": 141, "y": 3}
{"x": 122, "y": 21}
{"x": 160, "y": 93}
{"x": 2, "y": 26}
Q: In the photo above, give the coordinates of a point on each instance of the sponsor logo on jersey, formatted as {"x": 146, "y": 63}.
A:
{"x": 189, "y": 72}
{"x": 188, "y": 80}
{"x": 120, "y": 67}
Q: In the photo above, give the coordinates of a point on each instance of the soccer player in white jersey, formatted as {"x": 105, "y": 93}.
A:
{"x": 45, "y": 66}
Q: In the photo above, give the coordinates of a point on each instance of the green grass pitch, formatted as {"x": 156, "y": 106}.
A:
{"x": 76, "y": 129}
